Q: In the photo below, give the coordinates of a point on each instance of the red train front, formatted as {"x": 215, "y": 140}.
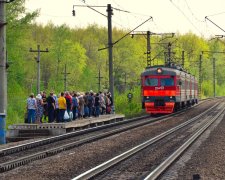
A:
{"x": 166, "y": 89}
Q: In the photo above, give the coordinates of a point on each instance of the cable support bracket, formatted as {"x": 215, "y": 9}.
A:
{"x": 7, "y": 1}
{"x": 2, "y": 24}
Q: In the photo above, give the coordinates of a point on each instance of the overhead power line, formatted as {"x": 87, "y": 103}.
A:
{"x": 189, "y": 8}
{"x": 186, "y": 17}
{"x": 216, "y": 14}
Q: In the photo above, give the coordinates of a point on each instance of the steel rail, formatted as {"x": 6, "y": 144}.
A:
{"x": 29, "y": 158}
{"x": 102, "y": 167}
{"x": 43, "y": 154}
{"x": 171, "y": 159}
{"x": 38, "y": 143}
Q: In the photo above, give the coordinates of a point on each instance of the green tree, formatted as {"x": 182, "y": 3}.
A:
{"x": 18, "y": 23}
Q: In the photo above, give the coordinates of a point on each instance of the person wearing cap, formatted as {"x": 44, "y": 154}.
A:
{"x": 31, "y": 108}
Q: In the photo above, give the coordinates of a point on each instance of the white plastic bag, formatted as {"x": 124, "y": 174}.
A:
{"x": 71, "y": 115}
{"x": 66, "y": 115}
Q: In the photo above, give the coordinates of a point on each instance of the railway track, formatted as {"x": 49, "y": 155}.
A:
{"x": 186, "y": 133}
{"x": 23, "y": 154}
{"x": 37, "y": 143}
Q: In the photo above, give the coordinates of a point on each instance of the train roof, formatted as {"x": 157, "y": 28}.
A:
{"x": 166, "y": 70}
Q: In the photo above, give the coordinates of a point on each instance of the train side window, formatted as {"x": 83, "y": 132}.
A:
{"x": 151, "y": 82}
{"x": 182, "y": 83}
{"x": 188, "y": 85}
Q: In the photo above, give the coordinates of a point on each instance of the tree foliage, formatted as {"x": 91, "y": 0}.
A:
{"x": 78, "y": 49}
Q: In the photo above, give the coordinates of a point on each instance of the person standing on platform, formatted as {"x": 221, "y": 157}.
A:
{"x": 74, "y": 105}
{"x": 56, "y": 116}
{"x": 40, "y": 109}
{"x": 86, "y": 109}
{"x": 68, "y": 102}
{"x": 45, "y": 105}
{"x": 97, "y": 105}
{"x": 62, "y": 107}
{"x": 31, "y": 108}
{"x": 108, "y": 104}
{"x": 81, "y": 106}
{"x": 69, "y": 105}
{"x": 51, "y": 107}
{"x": 102, "y": 102}
{"x": 91, "y": 103}
{"x": 111, "y": 102}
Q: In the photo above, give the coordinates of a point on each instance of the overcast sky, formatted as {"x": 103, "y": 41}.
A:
{"x": 168, "y": 15}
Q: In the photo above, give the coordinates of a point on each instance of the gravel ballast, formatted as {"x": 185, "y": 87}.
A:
{"x": 68, "y": 164}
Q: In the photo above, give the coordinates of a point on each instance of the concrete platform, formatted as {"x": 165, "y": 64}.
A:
{"x": 53, "y": 129}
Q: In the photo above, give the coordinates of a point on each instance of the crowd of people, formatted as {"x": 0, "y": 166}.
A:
{"x": 67, "y": 106}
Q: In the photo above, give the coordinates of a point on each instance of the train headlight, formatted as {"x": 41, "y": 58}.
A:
{"x": 159, "y": 71}
{"x": 172, "y": 99}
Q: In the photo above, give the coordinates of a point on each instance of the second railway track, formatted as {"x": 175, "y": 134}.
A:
{"x": 161, "y": 151}
{"x": 39, "y": 154}
{"x": 23, "y": 154}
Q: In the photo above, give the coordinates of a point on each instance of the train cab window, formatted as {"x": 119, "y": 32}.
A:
{"x": 193, "y": 86}
{"x": 151, "y": 82}
{"x": 167, "y": 82}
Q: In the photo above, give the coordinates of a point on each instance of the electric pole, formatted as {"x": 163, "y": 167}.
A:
{"x": 125, "y": 81}
{"x": 169, "y": 54}
{"x": 214, "y": 69}
{"x": 3, "y": 76}
{"x": 200, "y": 77}
{"x": 65, "y": 73}
{"x": 183, "y": 59}
{"x": 148, "y": 47}
{"x": 149, "y": 59}
{"x": 214, "y": 77}
{"x": 110, "y": 51}
{"x": 149, "y": 34}
{"x": 110, "y": 43}
{"x": 38, "y": 65}
{"x": 3, "y": 67}
{"x": 99, "y": 80}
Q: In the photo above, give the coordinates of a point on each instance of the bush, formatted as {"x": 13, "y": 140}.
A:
{"x": 129, "y": 108}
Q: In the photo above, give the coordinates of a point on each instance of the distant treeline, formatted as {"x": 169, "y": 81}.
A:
{"x": 78, "y": 49}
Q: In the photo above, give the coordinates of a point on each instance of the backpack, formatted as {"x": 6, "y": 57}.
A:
{"x": 90, "y": 100}
{"x": 75, "y": 102}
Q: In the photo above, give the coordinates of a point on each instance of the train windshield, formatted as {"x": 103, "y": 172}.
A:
{"x": 167, "y": 82}
{"x": 151, "y": 82}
